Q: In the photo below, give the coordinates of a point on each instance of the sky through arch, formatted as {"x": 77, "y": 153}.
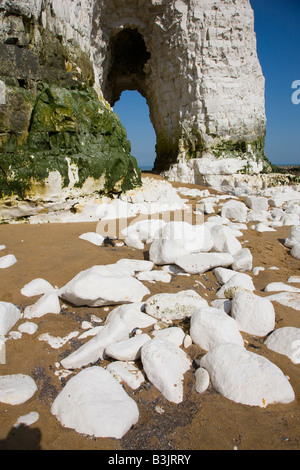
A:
{"x": 133, "y": 111}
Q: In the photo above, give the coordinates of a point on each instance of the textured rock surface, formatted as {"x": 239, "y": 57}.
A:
{"x": 245, "y": 377}
{"x": 194, "y": 62}
{"x": 93, "y": 403}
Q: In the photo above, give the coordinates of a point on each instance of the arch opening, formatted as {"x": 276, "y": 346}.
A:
{"x": 128, "y": 57}
{"x": 133, "y": 111}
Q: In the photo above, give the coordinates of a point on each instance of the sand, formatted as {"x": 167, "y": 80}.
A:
{"x": 205, "y": 421}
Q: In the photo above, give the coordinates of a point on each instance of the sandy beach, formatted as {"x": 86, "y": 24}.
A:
{"x": 206, "y": 421}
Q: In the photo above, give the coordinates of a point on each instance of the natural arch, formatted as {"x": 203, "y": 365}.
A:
{"x": 128, "y": 57}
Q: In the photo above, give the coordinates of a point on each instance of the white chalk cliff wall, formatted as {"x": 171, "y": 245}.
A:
{"x": 195, "y": 62}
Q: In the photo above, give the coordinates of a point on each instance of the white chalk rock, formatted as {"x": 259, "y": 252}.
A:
{"x": 246, "y": 377}
{"x": 94, "y": 403}
{"x": 7, "y": 261}
{"x": 223, "y": 274}
{"x": 211, "y": 326}
{"x": 293, "y": 237}
{"x": 177, "y": 239}
{"x": 28, "y": 327}
{"x": 154, "y": 276}
{"x": 174, "y": 306}
{"x": 133, "y": 241}
{"x": 293, "y": 279}
{"x": 126, "y": 372}
{"x": 224, "y": 240}
{"x": 241, "y": 280}
{"x": 262, "y": 227}
{"x": 202, "y": 380}
{"x": 173, "y": 334}
{"x": 280, "y": 287}
{"x": 197, "y": 263}
{"x": 165, "y": 364}
{"x": 48, "y": 303}
{"x": 103, "y": 285}
{"x": 16, "y": 389}
{"x": 37, "y": 286}
{"x": 254, "y": 315}
{"x": 127, "y": 350}
{"x": 257, "y": 270}
{"x": 260, "y": 216}
{"x": 235, "y": 210}
{"x": 94, "y": 349}
{"x": 92, "y": 237}
{"x": 286, "y": 341}
{"x": 222, "y": 304}
{"x": 137, "y": 265}
{"x": 288, "y": 299}
{"x": 132, "y": 315}
{"x": 144, "y": 230}
{"x": 243, "y": 260}
{"x": 257, "y": 203}
{"x": 27, "y": 420}
{"x": 9, "y": 315}
{"x": 295, "y": 251}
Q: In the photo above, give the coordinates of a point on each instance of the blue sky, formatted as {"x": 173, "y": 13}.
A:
{"x": 277, "y": 27}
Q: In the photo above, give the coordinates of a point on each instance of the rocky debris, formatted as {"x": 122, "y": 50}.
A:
{"x": 174, "y": 334}
{"x": 285, "y": 340}
{"x": 246, "y": 377}
{"x": 243, "y": 260}
{"x": 293, "y": 237}
{"x": 9, "y": 315}
{"x": 27, "y": 420}
{"x": 174, "y": 306}
{"x": 238, "y": 281}
{"x": 254, "y": 315}
{"x": 95, "y": 404}
{"x": 37, "y": 286}
{"x": 235, "y": 210}
{"x": 28, "y": 327}
{"x": 126, "y": 372}
{"x": 224, "y": 240}
{"x": 165, "y": 364}
{"x": 153, "y": 276}
{"x": 103, "y": 285}
{"x": 177, "y": 239}
{"x": 92, "y": 237}
{"x": 257, "y": 203}
{"x": 93, "y": 350}
{"x": 197, "y": 263}
{"x": 150, "y": 340}
{"x": 280, "y": 287}
{"x": 288, "y": 299}
{"x": 7, "y": 261}
{"x": 127, "y": 350}
{"x": 211, "y": 326}
{"x": 295, "y": 251}
{"x": 16, "y": 388}
{"x": 48, "y": 303}
{"x": 133, "y": 315}
{"x": 202, "y": 380}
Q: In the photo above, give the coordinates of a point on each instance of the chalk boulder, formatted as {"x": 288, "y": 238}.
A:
{"x": 246, "y": 377}
{"x": 95, "y": 404}
{"x": 165, "y": 364}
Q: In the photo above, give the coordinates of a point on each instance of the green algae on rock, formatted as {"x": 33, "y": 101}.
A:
{"x": 59, "y": 127}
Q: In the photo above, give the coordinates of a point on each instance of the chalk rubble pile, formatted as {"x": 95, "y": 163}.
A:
{"x": 143, "y": 339}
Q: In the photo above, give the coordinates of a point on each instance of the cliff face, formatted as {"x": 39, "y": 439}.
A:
{"x": 64, "y": 63}
{"x": 58, "y": 137}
